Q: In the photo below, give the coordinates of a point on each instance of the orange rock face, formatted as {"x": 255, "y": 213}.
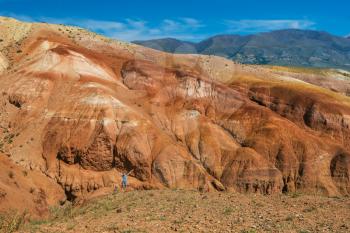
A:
{"x": 25, "y": 189}
{"x": 81, "y": 109}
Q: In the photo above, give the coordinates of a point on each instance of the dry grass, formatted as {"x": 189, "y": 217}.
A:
{"x": 191, "y": 211}
{"x": 11, "y": 221}
{"x": 299, "y": 70}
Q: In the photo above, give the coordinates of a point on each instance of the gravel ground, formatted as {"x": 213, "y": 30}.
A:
{"x": 191, "y": 211}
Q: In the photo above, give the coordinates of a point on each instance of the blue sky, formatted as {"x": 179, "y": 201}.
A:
{"x": 185, "y": 19}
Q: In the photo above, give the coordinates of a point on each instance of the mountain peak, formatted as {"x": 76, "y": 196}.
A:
{"x": 294, "y": 47}
{"x": 170, "y": 45}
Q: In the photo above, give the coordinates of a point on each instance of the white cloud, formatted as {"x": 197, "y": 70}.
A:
{"x": 170, "y": 25}
{"x": 253, "y": 26}
{"x": 142, "y": 30}
{"x": 129, "y": 29}
{"x": 180, "y": 28}
{"x": 193, "y": 23}
{"x": 25, "y": 18}
{"x": 182, "y": 24}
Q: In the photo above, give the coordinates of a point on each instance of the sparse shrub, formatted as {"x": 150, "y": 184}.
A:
{"x": 11, "y": 174}
{"x": 19, "y": 51}
{"x": 2, "y": 194}
{"x": 31, "y": 190}
{"x": 248, "y": 231}
{"x": 9, "y": 138}
{"x": 70, "y": 226}
{"x": 289, "y": 218}
{"x": 126, "y": 231}
{"x": 295, "y": 195}
{"x": 228, "y": 211}
{"x": 309, "y": 209}
{"x": 25, "y": 173}
{"x": 11, "y": 221}
{"x": 113, "y": 228}
{"x": 36, "y": 222}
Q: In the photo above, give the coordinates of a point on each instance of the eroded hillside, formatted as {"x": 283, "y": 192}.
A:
{"x": 80, "y": 109}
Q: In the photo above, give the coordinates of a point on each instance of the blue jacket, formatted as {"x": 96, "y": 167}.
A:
{"x": 125, "y": 178}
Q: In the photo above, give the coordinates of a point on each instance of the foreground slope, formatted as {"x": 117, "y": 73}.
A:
{"x": 188, "y": 211}
{"x": 80, "y": 109}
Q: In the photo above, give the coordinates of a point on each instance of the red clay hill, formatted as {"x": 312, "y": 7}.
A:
{"x": 78, "y": 109}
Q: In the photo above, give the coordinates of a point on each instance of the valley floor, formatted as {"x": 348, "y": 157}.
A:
{"x": 191, "y": 211}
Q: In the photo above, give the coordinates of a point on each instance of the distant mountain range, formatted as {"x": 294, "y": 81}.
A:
{"x": 290, "y": 47}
